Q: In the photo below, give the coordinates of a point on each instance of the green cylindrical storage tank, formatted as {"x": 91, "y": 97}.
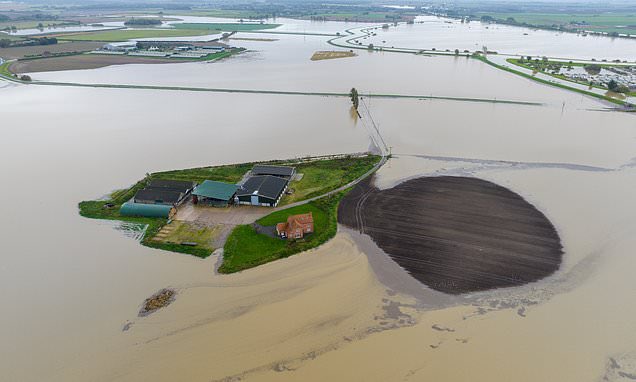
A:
{"x": 146, "y": 210}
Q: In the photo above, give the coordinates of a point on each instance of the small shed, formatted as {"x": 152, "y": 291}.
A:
{"x": 147, "y": 210}
{"x": 215, "y": 193}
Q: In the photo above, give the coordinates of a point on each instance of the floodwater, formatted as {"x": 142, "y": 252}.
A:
{"x": 441, "y": 33}
{"x": 66, "y": 29}
{"x": 342, "y": 312}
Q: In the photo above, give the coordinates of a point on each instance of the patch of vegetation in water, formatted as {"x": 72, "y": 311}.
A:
{"x": 157, "y": 301}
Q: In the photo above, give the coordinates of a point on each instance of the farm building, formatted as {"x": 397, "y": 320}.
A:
{"x": 214, "y": 193}
{"x": 173, "y": 185}
{"x": 120, "y": 46}
{"x": 262, "y": 190}
{"x": 147, "y": 210}
{"x": 167, "y": 192}
{"x": 296, "y": 226}
{"x": 158, "y": 196}
{"x": 279, "y": 171}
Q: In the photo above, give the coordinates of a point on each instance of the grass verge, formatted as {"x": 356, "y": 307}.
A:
{"x": 245, "y": 248}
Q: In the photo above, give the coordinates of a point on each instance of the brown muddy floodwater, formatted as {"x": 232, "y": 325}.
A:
{"x": 72, "y": 287}
{"x": 456, "y": 234}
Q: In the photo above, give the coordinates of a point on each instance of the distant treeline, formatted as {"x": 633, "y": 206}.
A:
{"x": 6, "y": 43}
{"x": 143, "y": 22}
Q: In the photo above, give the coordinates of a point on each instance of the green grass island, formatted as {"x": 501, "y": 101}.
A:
{"x": 237, "y": 207}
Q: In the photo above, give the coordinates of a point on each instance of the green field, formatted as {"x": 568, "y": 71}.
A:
{"x": 225, "y": 27}
{"x": 12, "y": 37}
{"x": 127, "y": 34}
{"x": 320, "y": 177}
{"x": 31, "y": 24}
{"x": 603, "y": 22}
{"x": 247, "y": 249}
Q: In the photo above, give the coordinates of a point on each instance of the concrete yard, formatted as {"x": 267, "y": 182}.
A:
{"x": 225, "y": 219}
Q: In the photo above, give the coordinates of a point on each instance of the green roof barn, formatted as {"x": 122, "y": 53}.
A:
{"x": 215, "y": 193}
{"x": 146, "y": 210}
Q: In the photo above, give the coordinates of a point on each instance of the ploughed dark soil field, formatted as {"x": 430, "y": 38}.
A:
{"x": 83, "y": 61}
{"x": 456, "y": 234}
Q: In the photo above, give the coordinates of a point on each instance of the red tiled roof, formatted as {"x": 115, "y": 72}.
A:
{"x": 296, "y": 222}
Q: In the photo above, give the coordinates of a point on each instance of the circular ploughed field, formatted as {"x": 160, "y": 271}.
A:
{"x": 456, "y": 234}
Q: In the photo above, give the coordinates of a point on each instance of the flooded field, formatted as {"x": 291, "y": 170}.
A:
{"x": 440, "y": 33}
{"x": 73, "y": 287}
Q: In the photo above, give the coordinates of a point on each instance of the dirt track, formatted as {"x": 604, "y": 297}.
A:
{"x": 456, "y": 234}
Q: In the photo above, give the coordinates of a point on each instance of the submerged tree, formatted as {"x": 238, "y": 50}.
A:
{"x": 354, "y": 98}
{"x": 612, "y": 85}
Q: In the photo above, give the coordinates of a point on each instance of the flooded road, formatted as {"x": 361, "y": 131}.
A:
{"x": 342, "y": 311}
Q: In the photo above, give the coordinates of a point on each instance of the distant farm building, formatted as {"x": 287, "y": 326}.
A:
{"x": 165, "y": 192}
{"x": 147, "y": 210}
{"x": 278, "y": 171}
{"x": 262, "y": 190}
{"x": 214, "y": 193}
{"x": 120, "y": 46}
{"x": 296, "y": 227}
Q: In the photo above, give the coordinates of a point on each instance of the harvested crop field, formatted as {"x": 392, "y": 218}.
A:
{"x": 83, "y": 61}
{"x": 23, "y": 51}
{"x": 128, "y": 34}
{"x": 456, "y": 234}
{"x": 331, "y": 54}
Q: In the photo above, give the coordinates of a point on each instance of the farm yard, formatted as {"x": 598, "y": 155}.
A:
{"x": 198, "y": 228}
